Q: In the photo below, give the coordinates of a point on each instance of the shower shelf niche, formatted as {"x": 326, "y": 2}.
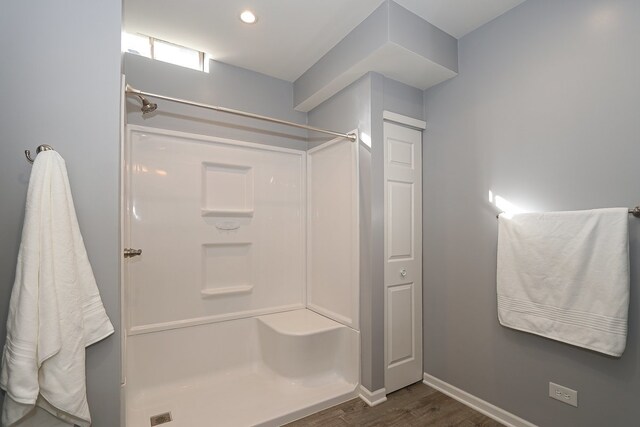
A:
{"x": 226, "y": 269}
{"x": 227, "y": 190}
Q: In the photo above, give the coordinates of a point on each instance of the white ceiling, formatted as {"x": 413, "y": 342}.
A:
{"x": 290, "y": 35}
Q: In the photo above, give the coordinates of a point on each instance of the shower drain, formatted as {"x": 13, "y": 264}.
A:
{"x": 156, "y": 420}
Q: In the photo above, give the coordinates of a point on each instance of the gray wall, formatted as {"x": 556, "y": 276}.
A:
{"x": 402, "y": 99}
{"x": 545, "y": 112}
{"x": 224, "y": 85}
{"x": 347, "y": 110}
{"x": 55, "y": 89}
{"x": 360, "y": 105}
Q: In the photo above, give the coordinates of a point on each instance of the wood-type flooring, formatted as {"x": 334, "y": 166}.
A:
{"x": 415, "y": 405}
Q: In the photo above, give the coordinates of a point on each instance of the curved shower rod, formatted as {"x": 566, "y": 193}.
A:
{"x": 148, "y": 107}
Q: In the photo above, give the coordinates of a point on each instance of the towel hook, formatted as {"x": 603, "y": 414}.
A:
{"x": 41, "y": 148}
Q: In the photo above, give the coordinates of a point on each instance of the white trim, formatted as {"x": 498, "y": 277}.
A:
{"x": 183, "y": 323}
{"x": 304, "y": 243}
{"x": 404, "y": 120}
{"x": 331, "y": 315}
{"x": 482, "y": 406}
{"x": 354, "y": 321}
{"x": 325, "y": 145}
{"x": 123, "y": 241}
{"x": 372, "y": 398}
{"x": 206, "y": 138}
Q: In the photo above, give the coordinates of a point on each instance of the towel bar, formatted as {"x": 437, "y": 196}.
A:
{"x": 635, "y": 212}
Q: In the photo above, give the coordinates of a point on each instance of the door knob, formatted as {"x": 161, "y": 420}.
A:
{"x": 403, "y": 272}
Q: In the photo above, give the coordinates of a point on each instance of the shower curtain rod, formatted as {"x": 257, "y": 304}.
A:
{"x": 148, "y": 107}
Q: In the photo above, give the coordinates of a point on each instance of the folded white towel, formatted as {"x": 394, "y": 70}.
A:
{"x": 565, "y": 276}
{"x": 55, "y": 309}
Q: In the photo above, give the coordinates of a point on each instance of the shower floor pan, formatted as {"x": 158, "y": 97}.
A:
{"x": 264, "y": 371}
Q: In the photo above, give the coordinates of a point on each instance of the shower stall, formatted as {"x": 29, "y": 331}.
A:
{"x": 241, "y": 284}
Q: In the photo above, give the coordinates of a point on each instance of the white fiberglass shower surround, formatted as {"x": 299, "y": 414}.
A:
{"x": 243, "y": 307}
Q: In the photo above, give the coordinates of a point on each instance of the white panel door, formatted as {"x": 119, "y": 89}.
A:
{"x": 403, "y": 256}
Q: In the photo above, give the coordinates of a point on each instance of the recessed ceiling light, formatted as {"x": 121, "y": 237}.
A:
{"x": 248, "y": 17}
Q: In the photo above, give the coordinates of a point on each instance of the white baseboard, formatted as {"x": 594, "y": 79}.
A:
{"x": 484, "y": 407}
{"x": 373, "y": 398}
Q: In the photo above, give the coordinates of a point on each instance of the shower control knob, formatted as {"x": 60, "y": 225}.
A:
{"x": 129, "y": 253}
{"x": 403, "y": 272}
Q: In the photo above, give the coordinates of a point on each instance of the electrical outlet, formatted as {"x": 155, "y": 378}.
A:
{"x": 563, "y": 394}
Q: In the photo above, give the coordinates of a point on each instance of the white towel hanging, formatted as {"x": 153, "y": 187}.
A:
{"x": 565, "y": 276}
{"x": 55, "y": 309}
